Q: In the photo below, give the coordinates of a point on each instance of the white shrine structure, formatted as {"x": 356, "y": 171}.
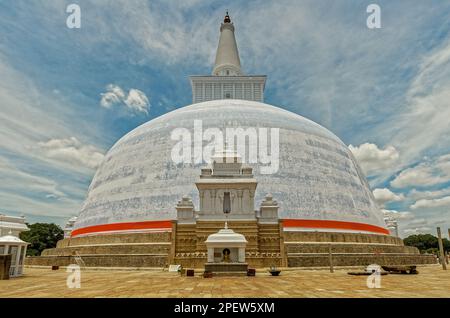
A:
{"x": 226, "y": 246}
{"x": 14, "y": 246}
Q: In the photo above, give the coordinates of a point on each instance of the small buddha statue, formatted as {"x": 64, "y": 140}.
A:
{"x": 226, "y": 255}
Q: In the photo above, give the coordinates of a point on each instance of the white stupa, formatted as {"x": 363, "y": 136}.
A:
{"x": 318, "y": 185}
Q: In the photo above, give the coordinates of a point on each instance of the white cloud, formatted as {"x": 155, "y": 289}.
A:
{"x": 385, "y": 195}
{"x": 431, "y": 203}
{"x": 417, "y": 195}
{"x": 136, "y": 100}
{"x": 13, "y": 179}
{"x": 21, "y": 203}
{"x": 423, "y": 124}
{"x": 396, "y": 215}
{"x": 372, "y": 159}
{"x": 418, "y": 222}
{"x": 417, "y": 230}
{"x": 114, "y": 95}
{"x": 72, "y": 151}
{"x": 31, "y": 182}
{"x": 431, "y": 172}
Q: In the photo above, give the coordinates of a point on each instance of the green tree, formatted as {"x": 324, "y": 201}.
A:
{"x": 41, "y": 236}
{"x": 426, "y": 243}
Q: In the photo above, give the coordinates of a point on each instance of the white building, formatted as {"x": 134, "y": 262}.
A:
{"x": 12, "y": 224}
{"x": 14, "y": 246}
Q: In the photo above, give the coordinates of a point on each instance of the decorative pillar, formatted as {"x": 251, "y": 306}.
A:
{"x": 210, "y": 255}
{"x": 24, "y": 255}
{"x": 201, "y": 195}
{"x": 239, "y": 195}
{"x": 241, "y": 255}
{"x": 234, "y": 203}
{"x": 7, "y": 251}
{"x": 213, "y": 198}
{"x": 19, "y": 250}
{"x": 185, "y": 210}
{"x": 269, "y": 209}
{"x": 251, "y": 202}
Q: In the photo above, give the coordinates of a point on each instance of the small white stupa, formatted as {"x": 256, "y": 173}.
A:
{"x": 226, "y": 246}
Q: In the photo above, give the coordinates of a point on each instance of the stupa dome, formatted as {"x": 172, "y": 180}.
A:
{"x": 318, "y": 184}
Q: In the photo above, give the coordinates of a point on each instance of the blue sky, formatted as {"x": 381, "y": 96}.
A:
{"x": 66, "y": 95}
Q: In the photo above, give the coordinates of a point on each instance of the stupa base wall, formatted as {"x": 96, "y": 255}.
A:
{"x": 109, "y": 250}
{"x": 271, "y": 246}
{"x": 132, "y": 261}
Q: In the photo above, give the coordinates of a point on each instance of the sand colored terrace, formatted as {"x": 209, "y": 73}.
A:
{"x": 431, "y": 281}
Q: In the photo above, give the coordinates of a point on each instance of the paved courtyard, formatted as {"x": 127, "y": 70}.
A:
{"x": 431, "y": 281}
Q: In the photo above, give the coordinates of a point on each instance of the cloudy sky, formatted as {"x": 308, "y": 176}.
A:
{"x": 66, "y": 95}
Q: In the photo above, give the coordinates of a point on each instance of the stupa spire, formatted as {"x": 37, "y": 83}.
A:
{"x": 227, "y": 80}
{"x": 227, "y": 56}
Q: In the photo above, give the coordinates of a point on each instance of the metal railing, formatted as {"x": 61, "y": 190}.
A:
{"x": 80, "y": 262}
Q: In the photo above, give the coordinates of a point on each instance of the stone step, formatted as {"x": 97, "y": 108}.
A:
{"x": 295, "y": 236}
{"x": 229, "y": 274}
{"x": 148, "y": 248}
{"x": 292, "y": 248}
{"x": 128, "y": 238}
{"x": 117, "y": 260}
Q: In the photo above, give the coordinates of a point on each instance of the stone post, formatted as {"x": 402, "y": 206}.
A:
{"x": 283, "y": 254}
{"x": 441, "y": 249}
{"x": 173, "y": 245}
{"x": 330, "y": 257}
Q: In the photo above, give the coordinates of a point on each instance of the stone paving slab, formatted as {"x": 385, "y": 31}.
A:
{"x": 431, "y": 281}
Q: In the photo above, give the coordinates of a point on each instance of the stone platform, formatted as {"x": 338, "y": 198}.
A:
{"x": 431, "y": 281}
{"x": 269, "y": 245}
{"x": 227, "y": 269}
